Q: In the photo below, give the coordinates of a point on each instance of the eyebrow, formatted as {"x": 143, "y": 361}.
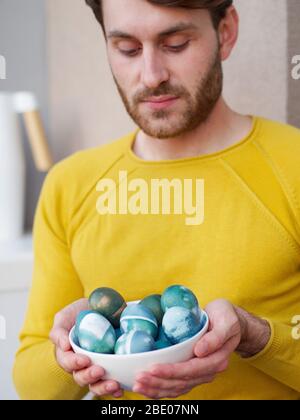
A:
{"x": 179, "y": 27}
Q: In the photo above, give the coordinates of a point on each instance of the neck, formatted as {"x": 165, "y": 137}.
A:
{"x": 221, "y": 130}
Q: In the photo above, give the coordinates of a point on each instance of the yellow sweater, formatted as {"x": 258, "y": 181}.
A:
{"x": 245, "y": 247}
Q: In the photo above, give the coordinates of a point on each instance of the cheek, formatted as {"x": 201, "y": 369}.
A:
{"x": 125, "y": 73}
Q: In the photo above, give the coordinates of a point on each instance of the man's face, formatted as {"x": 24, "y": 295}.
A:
{"x": 184, "y": 64}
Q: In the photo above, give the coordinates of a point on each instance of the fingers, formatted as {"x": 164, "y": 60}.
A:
{"x": 88, "y": 376}
{"x": 147, "y": 380}
{"x": 64, "y": 321}
{"x": 192, "y": 369}
{"x": 60, "y": 338}
{"x": 108, "y": 387}
{"x": 196, "y": 368}
{"x": 210, "y": 343}
{"x": 150, "y": 390}
{"x": 70, "y": 362}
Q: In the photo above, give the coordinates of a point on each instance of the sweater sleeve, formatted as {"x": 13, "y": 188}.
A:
{"x": 281, "y": 357}
{"x": 55, "y": 284}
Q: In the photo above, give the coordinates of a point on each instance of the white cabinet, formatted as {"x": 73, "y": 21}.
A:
{"x": 16, "y": 263}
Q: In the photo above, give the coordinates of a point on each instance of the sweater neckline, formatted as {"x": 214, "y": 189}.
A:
{"x": 201, "y": 158}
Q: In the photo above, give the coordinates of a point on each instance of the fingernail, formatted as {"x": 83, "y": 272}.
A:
{"x": 111, "y": 387}
{"x": 96, "y": 372}
{"x": 118, "y": 394}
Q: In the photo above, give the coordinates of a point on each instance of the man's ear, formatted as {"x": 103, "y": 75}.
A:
{"x": 228, "y": 32}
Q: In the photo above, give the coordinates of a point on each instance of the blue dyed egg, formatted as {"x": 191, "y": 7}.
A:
{"x": 138, "y": 317}
{"x": 179, "y": 296}
{"x": 109, "y": 303}
{"x": 118, "y": 332}
{"x": 95, "y": 333}
{"x": 160, "y": 344}
{"x": 162, "y": 340}
{"x": 152, "y": 302}
{"x": 134, "y": 342}
{"x": 162, "y": 336}
{"x": 79, "y": 317}
{"x": 180, "y": 324}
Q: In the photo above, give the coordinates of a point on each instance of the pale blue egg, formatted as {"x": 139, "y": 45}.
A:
{"x": 134, "y": 341}
{"x": 79, "y": 318}
{"x": 138, "y": 317}
{"x": 178, "y": 295}
{"x": 95, "y": 333}
{"x": 180, "y": 324}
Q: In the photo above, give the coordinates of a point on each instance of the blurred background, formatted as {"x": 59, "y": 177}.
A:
{"x": 55, "y": 50}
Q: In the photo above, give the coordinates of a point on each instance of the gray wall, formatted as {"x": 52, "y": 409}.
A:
{"x": 23, "y": 44}
{"x": 293, "y": 105}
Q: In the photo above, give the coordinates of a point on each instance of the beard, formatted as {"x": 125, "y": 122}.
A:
{"x": 157, "y": 123}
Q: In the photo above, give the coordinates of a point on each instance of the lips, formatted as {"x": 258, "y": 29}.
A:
{"x": 160, "y": 99}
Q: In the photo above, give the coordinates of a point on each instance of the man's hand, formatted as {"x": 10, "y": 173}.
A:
{"x": 231, "y": 329}
{"x": 84, "y": 373}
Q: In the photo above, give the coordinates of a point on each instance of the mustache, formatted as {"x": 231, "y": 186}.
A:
{"x": 161, "y": 91}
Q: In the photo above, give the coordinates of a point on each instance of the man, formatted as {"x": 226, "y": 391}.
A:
{"x": 242, "y": 251}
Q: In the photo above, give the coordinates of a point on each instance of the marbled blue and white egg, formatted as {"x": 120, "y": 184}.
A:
{"x": 79, "y": 318}
{"x": 177, "y": 295}
{"x": 138, "y": 317}
{"x": 153, "y": 302}
{"x": 180, "y": 324}
{"x": 134, "y": 342}
{"x": 95, "y": 333}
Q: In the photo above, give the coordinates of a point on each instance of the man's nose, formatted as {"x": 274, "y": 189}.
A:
{"x": 154, "y": 70}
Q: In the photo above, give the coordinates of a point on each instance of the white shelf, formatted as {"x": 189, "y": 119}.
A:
{"x": 16, "y": 263}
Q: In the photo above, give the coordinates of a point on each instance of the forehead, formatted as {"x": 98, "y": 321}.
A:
{"x": 141, "y": 19}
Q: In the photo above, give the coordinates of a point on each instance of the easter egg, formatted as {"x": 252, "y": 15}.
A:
{"x": 95, "y": 333}
{"x": 79, "y": 317}
{"x": 162, "y": 336}
{"x": 118, "y": 332}
{"x": 180, "y": 324}
{"x": 109, "y": 303}
{"x": 162, "y": 340}
{"x": 152, "y": 302}
{"x": 179, "y": 296}
{"x": 160, "y": 344}
{"x": 134, "y": 342}
{"x": 138, "y": 317}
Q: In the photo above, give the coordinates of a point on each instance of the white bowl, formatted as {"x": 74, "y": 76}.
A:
{"x": 124, "y": 368}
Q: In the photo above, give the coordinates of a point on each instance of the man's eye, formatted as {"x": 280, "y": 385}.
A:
{"x": 174, "y": 48}
{"x": 178, "y": 47}
{"x": 129, "y": 53}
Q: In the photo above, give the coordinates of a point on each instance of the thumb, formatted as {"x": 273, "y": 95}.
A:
{"x": 60, "y": 338}
{"x": 209, "y": 343}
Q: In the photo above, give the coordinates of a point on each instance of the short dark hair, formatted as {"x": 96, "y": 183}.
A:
{"x": 217, "y": 8}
